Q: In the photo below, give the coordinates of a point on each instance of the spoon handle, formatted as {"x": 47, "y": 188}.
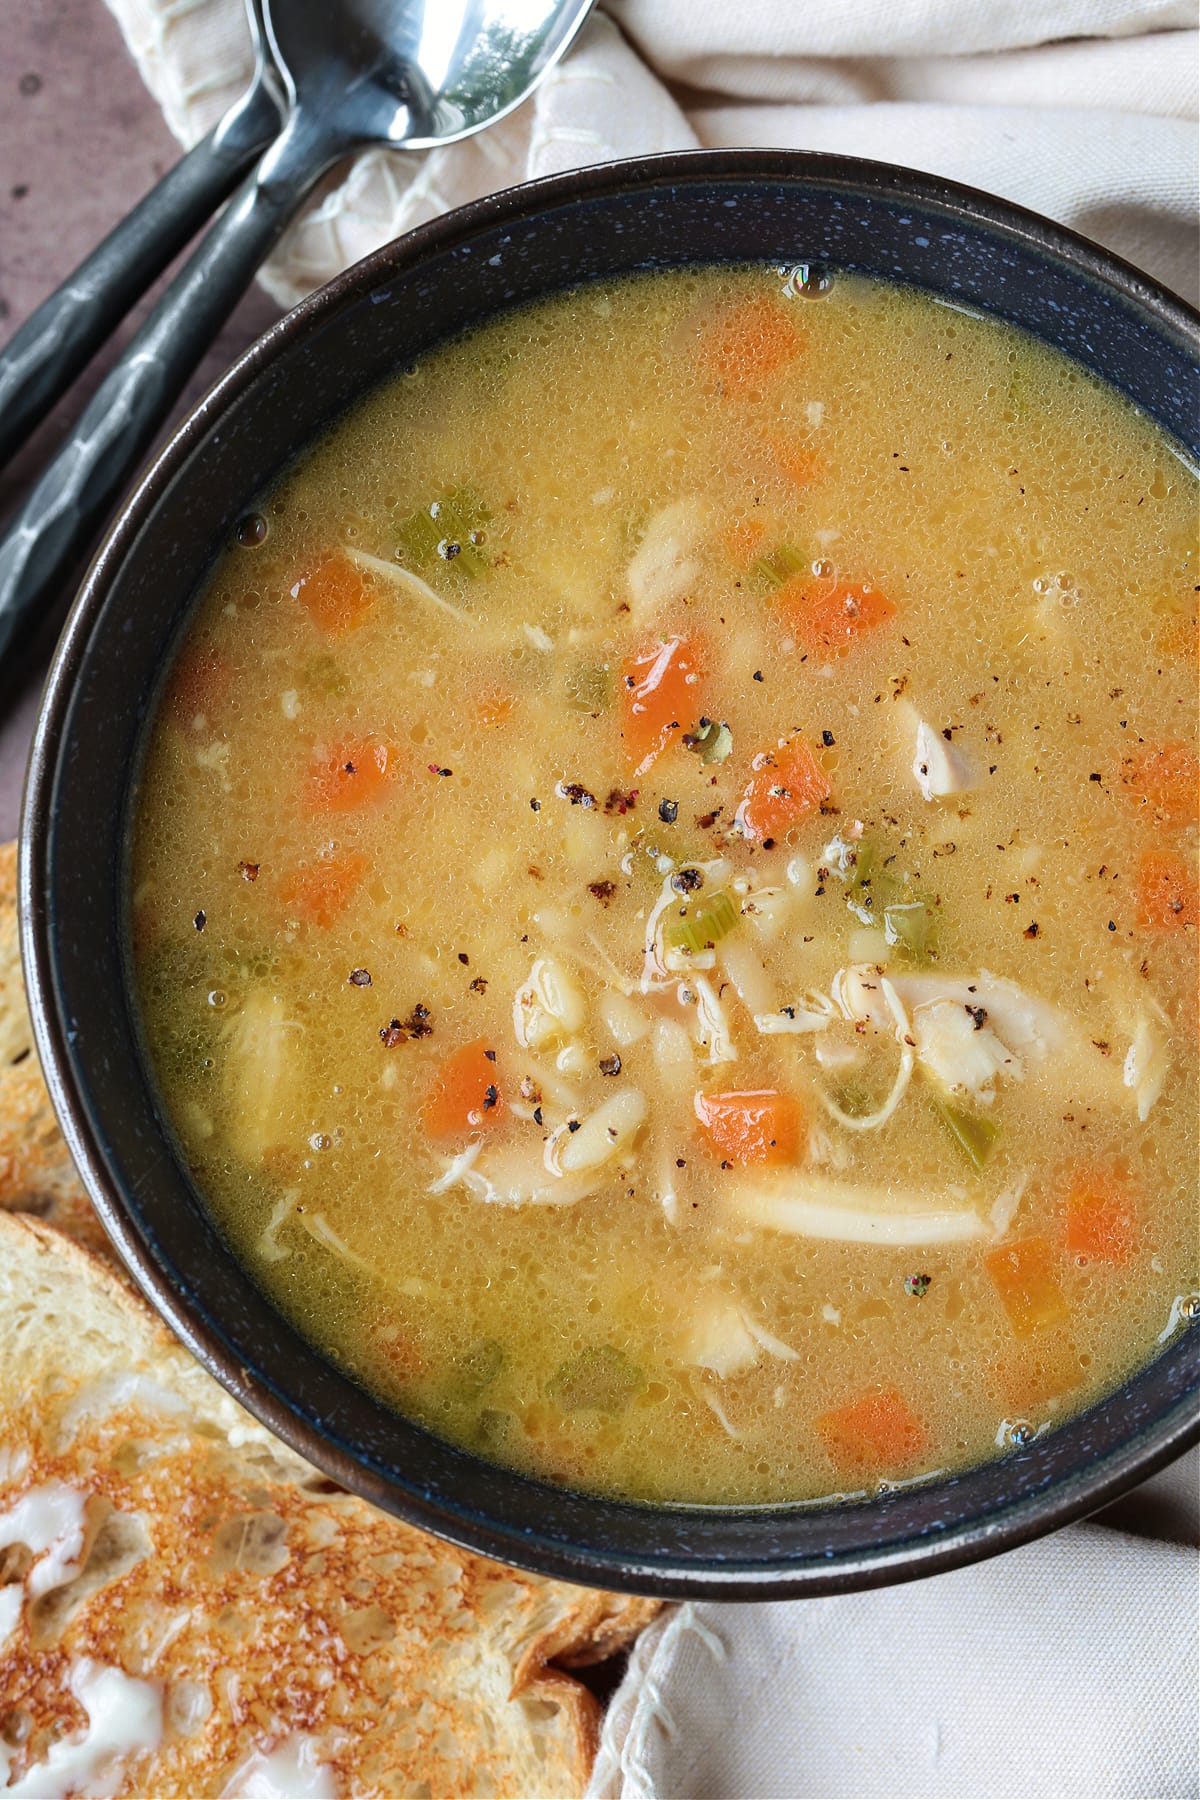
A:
{"x": 55, "y": 526}
{"x": 45, "y": 355}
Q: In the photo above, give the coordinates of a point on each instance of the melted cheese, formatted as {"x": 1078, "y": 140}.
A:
{"x": 49, "y": 1521}
{"x": 289, "y": 1772}
{"x": 124, "y": 1721}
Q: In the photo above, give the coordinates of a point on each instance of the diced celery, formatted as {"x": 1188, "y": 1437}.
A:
{"x": 324, "y": 675}
{"x": 909, "y": 925}
{"x": 856, "y": 1102}
{"x": 589, "y": 687}
{"x": 478, "y": 1367}
{"x": 877, "y": 896}
{"x": 497, "y": 1433}
{"x": 445, "y": 531}
{"x": 703, "y": 924}
{"x": 974, "y": 1134}
{"x": 778, "y": 565}
{"x": 870, "y": 887}
{"x": 600, "y": 1379}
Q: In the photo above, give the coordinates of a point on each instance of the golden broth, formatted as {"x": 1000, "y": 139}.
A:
{"x": 664, "y": 893}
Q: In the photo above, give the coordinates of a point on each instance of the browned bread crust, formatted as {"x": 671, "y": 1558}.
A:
{"x": 36, "y": 1172}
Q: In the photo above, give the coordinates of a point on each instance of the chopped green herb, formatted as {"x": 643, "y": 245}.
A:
{"x": 701, "y": 926}
{"x": 600, "y": 1379}
{"x": 974, "y": 1134}
{"x": 917, "y": 1285}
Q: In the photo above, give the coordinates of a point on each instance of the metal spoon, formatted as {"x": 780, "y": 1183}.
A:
{"x": 409, "y": 75}
{"x": 42, "y": 359}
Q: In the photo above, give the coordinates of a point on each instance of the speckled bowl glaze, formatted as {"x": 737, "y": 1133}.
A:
{"x": 729, "y": 206}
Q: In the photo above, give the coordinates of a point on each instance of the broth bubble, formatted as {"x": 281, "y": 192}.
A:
{"x": 252, "y": 531}
{"x": 808, "y": 281}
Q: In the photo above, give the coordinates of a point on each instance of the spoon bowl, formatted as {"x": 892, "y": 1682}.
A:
{"x": 417, "y": 76}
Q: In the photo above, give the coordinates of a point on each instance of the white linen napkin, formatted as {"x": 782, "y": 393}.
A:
{"x": 1067, "y": 1668}
{"x": 1082, "y": 109}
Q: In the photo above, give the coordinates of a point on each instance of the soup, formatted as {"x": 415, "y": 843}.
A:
{"x": 664, "y": 890}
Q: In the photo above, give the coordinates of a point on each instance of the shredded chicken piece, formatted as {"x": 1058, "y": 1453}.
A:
{"x": 723, "y": 1336}
{"x": 712, "y": 1023}
{"x": 1026, "y": 1025}
{"x": 318, "y": 1226}
{"x": 410, "y": 583}
{"x": 718, "y": 1339}
{"x": 267, "y": 1245}
{"x": 261, "y": 1077}
{"x": 1148, "y": 1060}
{"x": 939, "y": 768}
{"x": 714, "y": 1406}
{"x": 516, "y": 1177}
{"x": 806, "y": 1205}
{"x": 457, "y": 1167}
{"x": 665, "y": 564}
{"x": 962, "y": 1055}
{"x": 872, "y": 1121}
{"x": 1003, "y": 1209}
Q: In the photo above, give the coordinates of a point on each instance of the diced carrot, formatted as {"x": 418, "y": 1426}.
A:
{"x": 493, "y": 707}
{"x": 796, "y": 462}
{"x": 660, "y": 694}
{"x": 1024, "y": 1277}
{"x": 1179, "y": 635}
{"x": 747, "y": 344}
{"x": 198, "y": 685}
{"x": 1166, "y": 780}
{"x": 317, "y": 894}
{"x": 877, "y": 1430}
{"x": 785, "y": 786}
{"x": 827, "y": 617}
{"x": 1167, "y": 899}
{"x": 398, "y": 1351}
{"x": 336, "y": 593}
{"x": 758, "y": 1127}
{"x": 350, "y": 775}
{"x": 466, "y": 1095}
{"x": 743, "y": 541}
{"x": 1100, "y": 1226}
{"x": 283, "y": 1164}
{"x": 1036, "y": 1370}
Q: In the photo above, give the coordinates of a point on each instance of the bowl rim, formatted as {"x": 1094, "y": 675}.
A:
{"x": 1085, "y": 1487}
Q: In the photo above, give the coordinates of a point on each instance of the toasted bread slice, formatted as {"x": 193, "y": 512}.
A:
{"x": 187, "y": 1608}
{"x": 36, "y": 1172}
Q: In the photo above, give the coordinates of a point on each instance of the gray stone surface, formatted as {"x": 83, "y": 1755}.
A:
{"x": 80, "y": 142}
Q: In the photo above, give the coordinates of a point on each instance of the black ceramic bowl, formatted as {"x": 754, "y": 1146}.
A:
{"x": 83, "y": 781}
